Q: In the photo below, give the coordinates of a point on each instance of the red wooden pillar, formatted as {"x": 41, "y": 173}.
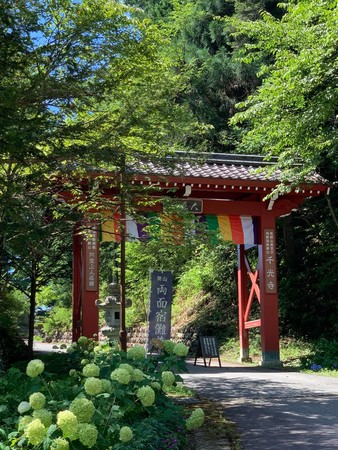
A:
{"x": 268, "y": 291}
{"x": 77, "y": 277}
{"x": 85, "y": 280}
{"x": 242, "y": 286}
{"x": 90, "y": 280}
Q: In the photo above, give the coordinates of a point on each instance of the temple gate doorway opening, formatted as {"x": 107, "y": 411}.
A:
{"x": 230, "y": 192}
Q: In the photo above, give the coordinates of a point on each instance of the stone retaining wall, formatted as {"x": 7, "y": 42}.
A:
{"x": 137, "y": 335}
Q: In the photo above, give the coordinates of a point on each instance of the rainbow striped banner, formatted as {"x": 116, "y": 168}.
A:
{"x": 237, "y": 229}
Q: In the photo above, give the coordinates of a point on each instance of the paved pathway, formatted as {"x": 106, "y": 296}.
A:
{"x": 273, "y": 409}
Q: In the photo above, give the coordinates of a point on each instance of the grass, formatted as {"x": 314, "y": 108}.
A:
{"x": 317, "y": 357}
{"x": 179, "y": 391}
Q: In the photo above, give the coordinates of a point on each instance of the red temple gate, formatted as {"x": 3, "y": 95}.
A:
{"x": 224, "y": 185}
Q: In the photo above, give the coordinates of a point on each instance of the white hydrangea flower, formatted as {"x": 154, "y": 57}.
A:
{"x": 147, "y": 395}
{"x": 127, "y": 367}
{"x": 155, "y": 385}
{"x": 168, "y": 378}
{"x": 68, "y": 423}
{"x": 60, "y": 444}
{"x": 121, "y": 375}
{"x": 24, "y": 421}
{"x": 82, "y": 340}
{"x": 91, "y": 370}
{"x": 35, "y": 368}
{"x": 35, "y": 432}
{"x": 44, "y": 415}
{"x": 88, "y": 434}
{"x": 180, "y": 349}
{"x": 138, "y": 375}
{"x": 196, "y": 419}
{"x": 83, "y": 409}
{"x": 106, "y": 386}
{"x": 168, "y": 346}
{"x": 24, "y": 407}
{"x": 126, "y": 434}
{"x": 37, "y": 400}
{"x": 93, "y": 386}
{"x": 137, "y": 352}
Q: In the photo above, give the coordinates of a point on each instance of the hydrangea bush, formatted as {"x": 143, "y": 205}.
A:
{"x": 107, "y": 400}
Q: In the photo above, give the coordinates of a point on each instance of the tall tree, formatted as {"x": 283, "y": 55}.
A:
{"x": 82, "y": 86}
{"x": 293, "y": 114}
{"x": 205, "y": 52}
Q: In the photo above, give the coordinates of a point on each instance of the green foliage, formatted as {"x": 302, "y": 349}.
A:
{"x": 205, "y": 52}
{"x": 12, "y": 347}
{"x": 56, "y": 292}
{"x": 175, "y": 235}
{"x": 217, "y": 80}
{"x": 159, "y": 424}
{"x": 190, "y": 283}
{"x": 308, "y": 274}
{"x": 292, "y": 114}
{"x": 82, "y": 82}
{"x": 322, "y": 353}
{"x": 58, "y": 321}
{"x": 10, "y": 308}
{"x": 213, "y": 307}
{"x": 310, "y": 356}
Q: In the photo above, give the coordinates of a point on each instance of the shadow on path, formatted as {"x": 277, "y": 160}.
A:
{"x": 272, "y": 408}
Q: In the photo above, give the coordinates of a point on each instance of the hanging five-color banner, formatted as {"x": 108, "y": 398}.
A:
{"x": 237, "y": 229}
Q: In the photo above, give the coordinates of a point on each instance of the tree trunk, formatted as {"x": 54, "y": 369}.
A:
{"x": 32, "y": 305}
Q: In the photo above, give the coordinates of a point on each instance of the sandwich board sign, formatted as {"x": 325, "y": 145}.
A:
{"x": 207, "y": 348}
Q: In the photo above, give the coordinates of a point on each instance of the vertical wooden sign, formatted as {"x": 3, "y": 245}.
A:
{"x": 91, "y": 246}
{"x": 160, "y": 299}
{"x": 270, "y": 265}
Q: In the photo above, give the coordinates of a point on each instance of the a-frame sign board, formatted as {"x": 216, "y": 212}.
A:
{"x": 207, "y": 348}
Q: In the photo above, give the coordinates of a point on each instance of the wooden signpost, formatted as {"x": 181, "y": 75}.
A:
{"x": 207, "y": 348}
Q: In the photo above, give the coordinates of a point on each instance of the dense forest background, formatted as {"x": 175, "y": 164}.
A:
{"x": 98, "y": 84}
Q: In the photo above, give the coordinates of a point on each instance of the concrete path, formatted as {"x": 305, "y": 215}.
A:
{"x": 44, "y": 347}
{"x": 273, "y": 409}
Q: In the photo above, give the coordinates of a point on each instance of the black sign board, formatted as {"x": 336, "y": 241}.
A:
{"x": 207, "y": 348}
{"x": 160, "y": 299}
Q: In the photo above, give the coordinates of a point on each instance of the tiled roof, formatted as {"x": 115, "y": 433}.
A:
{"x": 218, "y": 166}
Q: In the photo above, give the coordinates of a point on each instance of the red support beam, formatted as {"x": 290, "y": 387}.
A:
{"x": 242, "y": 285}
{"x": 268, "y": 290}
{"x": 252, "y": 324}
{"x": 254, "y": 290}
{"x": 234, "y": 208}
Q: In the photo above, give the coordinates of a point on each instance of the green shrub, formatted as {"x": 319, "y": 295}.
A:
{"x": 108, "y": 400}
{"x": 58, "y": 320}
{"x": 208, "y": 288}
{"x": 12, "y": 346}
